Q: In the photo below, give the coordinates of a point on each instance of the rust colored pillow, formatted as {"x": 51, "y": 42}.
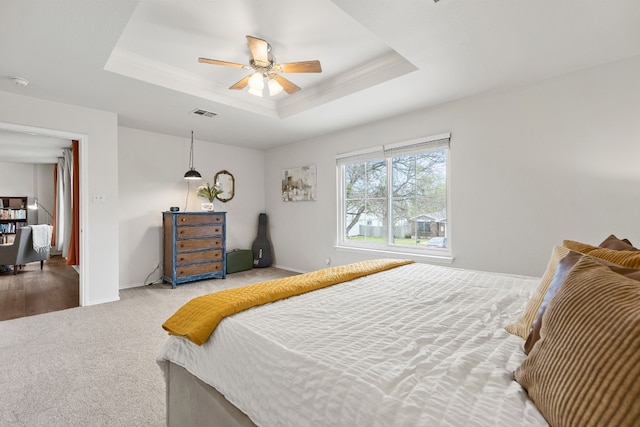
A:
{"x": 627, "y": 258}
{"x": 612, "y": 242}
{"x": 564, "y": 266}
{"x": 585, "y": 370}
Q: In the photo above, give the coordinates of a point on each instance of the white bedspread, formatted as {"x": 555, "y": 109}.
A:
{"x": 418, "y": 345}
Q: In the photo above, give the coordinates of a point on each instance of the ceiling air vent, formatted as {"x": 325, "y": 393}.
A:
{"x": 204, "y": 113}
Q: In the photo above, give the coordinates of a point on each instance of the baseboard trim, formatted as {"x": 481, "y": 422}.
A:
{"x": 104, "y": 301}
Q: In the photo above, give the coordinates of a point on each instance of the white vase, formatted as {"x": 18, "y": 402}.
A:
{"x": 208, "y": 206}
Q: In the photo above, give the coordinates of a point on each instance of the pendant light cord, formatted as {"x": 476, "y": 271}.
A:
{"x": 191, "y": 153}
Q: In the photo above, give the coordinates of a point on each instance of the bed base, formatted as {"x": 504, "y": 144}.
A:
{"x": 191, "y": 402}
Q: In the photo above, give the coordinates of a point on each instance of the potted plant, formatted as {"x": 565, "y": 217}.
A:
{"x": 209, "y": 192}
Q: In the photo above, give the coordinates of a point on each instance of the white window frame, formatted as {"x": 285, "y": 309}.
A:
{"x": 432, "y": 143}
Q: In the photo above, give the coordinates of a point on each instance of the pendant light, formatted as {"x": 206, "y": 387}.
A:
{"x": 192, "y": 173}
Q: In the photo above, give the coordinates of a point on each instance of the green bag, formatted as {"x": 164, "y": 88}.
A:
{"x": 239, "y": 260}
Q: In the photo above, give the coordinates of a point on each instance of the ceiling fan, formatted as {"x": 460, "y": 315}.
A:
{"x": 264, "y": 66}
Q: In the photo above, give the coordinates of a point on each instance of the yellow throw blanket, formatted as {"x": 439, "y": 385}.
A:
{"x": 197, "y": 319}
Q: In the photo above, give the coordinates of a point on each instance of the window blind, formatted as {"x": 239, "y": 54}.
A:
{"x": 374, "y": 153}
{"x": 433, "y": 143}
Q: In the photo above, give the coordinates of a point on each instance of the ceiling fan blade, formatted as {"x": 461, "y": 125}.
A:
{"x": 287, "y": 85}
{"x": 259, "y": 51}
{"x": 241, "y": 84}
{"x": 217, "y": 62}
{"x": 300, "y": 67}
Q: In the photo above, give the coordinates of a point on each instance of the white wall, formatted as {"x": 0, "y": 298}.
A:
{"x": 150, "y": 175}
{"x": 529, "y": 168}
{"x": 98, "y": 158}
{"x": 44, "y": 190}
{"x": 17, "y": 179}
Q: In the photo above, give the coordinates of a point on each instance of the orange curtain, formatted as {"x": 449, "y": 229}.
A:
{"x": 73, "y": 258}
{"x": 55, "y": 204}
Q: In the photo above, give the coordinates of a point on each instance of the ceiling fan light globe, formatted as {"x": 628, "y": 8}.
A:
{"x": 256, "y": 82}
{"x": 274, "y": 87}
{"x": 256, "y": 92}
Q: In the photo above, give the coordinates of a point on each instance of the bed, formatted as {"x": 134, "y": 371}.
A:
{"x": 413, "y": 345}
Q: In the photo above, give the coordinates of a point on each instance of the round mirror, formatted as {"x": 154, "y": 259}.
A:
{"x": 227, "y": 184}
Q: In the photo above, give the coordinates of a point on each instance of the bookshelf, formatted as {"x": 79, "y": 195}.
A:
{"x": 13, "y": 215}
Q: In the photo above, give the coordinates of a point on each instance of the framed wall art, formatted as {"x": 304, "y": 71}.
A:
{"x": 299, "y": 184}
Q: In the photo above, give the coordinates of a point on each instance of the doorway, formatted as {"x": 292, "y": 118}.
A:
{"x": 82, "y": 144}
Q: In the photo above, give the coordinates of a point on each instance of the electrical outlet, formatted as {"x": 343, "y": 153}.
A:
{"x": 327, "y": 261}
{"x": 99, "y": 198}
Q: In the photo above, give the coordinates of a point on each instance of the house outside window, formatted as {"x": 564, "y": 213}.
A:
{"x": 394, "y": 198}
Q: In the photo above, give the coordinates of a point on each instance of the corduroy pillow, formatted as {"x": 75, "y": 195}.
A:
{"x": 585, "y": 370}
{"x": 522, "y": 326}
{"x": 629, "y": 259}
{"x": 612, "y": 242}
{"x": 564, "y": 266}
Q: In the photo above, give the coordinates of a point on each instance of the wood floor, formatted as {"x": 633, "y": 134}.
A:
{"x": 34, "y": 291}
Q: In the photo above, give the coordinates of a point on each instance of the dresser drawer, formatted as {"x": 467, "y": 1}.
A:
{"x": 200, "y": 219}
{"x": 197, "y": 244}
{"x": 198, "y": 231}
{"x": 194, "y": 270}
{"x": 191, "y": 257}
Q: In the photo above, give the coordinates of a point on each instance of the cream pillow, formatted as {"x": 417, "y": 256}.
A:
{"x": 522, "y": 326}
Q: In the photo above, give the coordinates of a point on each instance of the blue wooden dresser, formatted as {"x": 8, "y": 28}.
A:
{"x": 194, "y": 246}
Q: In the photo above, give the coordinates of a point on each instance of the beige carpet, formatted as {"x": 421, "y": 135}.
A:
{"x": 95, "y": 366}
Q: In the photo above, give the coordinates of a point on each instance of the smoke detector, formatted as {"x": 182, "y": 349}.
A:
{"x": 20, "y": 81}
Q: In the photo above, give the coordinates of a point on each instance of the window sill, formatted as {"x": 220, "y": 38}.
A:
{"x": 416, "y": 256}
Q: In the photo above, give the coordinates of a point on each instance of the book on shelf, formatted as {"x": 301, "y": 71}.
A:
{"x": 13, "y": 214}
{"x": 10, "y": 227}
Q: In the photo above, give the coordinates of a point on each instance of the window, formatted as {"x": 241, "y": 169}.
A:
{"x": 394, "y": 198}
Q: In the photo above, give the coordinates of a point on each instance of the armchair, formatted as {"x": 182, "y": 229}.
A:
{"x": 21, "y": 252}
